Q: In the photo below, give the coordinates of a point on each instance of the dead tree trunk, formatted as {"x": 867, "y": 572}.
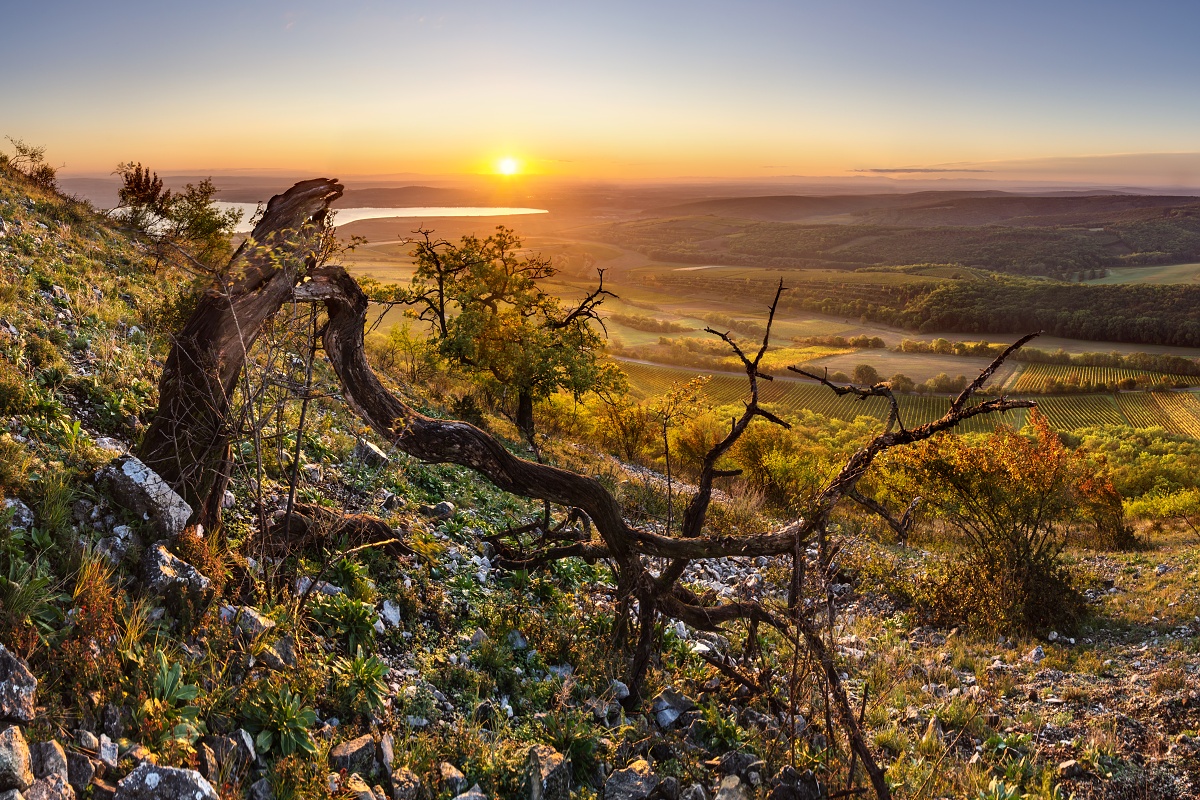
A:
{"x": 187, "y": 441}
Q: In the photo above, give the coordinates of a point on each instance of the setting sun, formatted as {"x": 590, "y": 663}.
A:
{"x": 507, "y": 166}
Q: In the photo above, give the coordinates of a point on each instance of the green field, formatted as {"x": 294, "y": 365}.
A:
{"x": 1177, "y": 412}
{"x": 1171, "y": 273}
{"x": 1042, "y": 377}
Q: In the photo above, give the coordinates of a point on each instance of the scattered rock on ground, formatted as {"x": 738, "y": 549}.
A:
{"x": 22, "y": 515}
{"x": 260, "y": 790}
{"x": 474, "y": 793}
{"x": 439, "y": 511}
{"x": 732, "y": 788}
{"x": 549, "y": 774}
{"x": 107, "y": 751}
{"x": 796, "y": 785}
{"x": 280, "y": 655}
{"x": 635, "y": 782}
{"x": 80, "y": 771}
{"x": 390, "y": 613}
{"x": 405, "y": 784}
{"x": 248, "y": 619}
{"x": 16, "y": 771}
{"x": 172, "y": 578}
{"x": 140, "y": 489}
{"x": 115, "y": 546}
{"x": 18, "y": 688}
{"x": 370, "y": 455}
{"x": 357, "y": 788}
{"x": 452, "y": 778}
{"x": 356, "y": 755}
{"x": 48, "y": 758}
{"x": 152, "y": 782}
{"x": 669, "y": 705}
{"x": 54, "y": 787}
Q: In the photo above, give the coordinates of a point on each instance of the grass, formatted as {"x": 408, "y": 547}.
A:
{"x": 1172, "y": 273}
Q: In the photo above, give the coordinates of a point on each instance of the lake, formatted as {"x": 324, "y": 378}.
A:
{"x": 348, "y": 215}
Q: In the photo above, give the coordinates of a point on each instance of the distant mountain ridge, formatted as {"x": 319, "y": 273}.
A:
{"x": 932, "y": 209}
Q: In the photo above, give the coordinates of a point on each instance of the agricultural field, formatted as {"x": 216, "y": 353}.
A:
{"x": 1169, "y": 273}
{"x": 1036, "y": 378}
{"x": 1177, "y": 412}
{"x": 918, "y": 366}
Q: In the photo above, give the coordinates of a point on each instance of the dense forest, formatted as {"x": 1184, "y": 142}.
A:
{"x": 991, "y": 304}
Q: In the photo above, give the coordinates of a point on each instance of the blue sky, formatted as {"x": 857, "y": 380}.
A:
{"x": 600, "y": 89}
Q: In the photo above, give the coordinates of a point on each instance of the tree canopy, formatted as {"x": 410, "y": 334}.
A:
{"x": 489, "y": 312}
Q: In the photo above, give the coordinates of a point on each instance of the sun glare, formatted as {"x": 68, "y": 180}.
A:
{"x": 507, "y": 166}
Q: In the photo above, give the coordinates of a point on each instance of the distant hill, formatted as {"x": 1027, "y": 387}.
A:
{"x": 403, "y": 197}
{"x": 935, "y": 209}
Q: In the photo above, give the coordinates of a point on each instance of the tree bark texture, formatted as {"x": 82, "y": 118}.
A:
{"x": 187, "y": 440}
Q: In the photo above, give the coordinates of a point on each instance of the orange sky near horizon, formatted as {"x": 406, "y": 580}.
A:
{"x": 623, "y": 90}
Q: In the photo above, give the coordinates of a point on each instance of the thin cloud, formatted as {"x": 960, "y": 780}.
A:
{"x": 899, "y": 170}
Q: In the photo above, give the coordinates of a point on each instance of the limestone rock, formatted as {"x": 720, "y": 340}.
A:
{"x": 232, "y": 754}
{"x": 635, "y": 782}
{"x": 151, "y": 782}
{"x": 170, "y": 577}
{"x": 103, "y": 790}
{"x": 108, "y": 752}
{"x": 249, "y": 620}
{"x": 439, "y": 511}
{"x": 385, "y": 752}
{"x": 140, "y": 489}
{"x": 80, "y": 771}
{"x": 54, "y": 787}
{"x": 796, "y": 785}
{"x": 549, "y": 774}
{"x": 390, "y": 613}
{"x": 114, "y": 547}
{"x": 405, "y": 784}
{"x": 48, "y": 758}
{"x": 357, "y": 788}
{"x": 452, "y": 779}
{"x": 16, "y": 770}
{"x": 474, "y": 793}
{"x": 18, "y": 688}
{"x": 22, "y": 515}
{"x": 738, "y": 762}
{"x": 732, "y": 788}
{"x": 280, "y": 655}
{"x": 669, "y": 705}
{"x": 370, "y": 455}
{"x": 356, "y": 755}
{"x": 261, "y": 790}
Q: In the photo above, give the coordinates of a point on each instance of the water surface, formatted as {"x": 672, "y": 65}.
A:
{"x": 348, "y": 215}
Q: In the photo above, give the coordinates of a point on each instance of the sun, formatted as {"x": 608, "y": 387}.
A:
{"x": 508, "y": 166}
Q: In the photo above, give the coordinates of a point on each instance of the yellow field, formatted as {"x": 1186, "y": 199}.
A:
{"x": 1178, "y": 412}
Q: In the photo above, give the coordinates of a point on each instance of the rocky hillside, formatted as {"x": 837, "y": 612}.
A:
{"x": 370, "y": 647}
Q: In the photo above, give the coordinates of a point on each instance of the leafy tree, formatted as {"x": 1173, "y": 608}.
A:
{"x": 866, "y": 375}
{"x": 186, "y": 222}
{"x": 487, "y": 308}
{"x": 30, "y": 161}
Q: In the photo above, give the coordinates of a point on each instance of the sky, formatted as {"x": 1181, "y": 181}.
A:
{"x": 648, "y": 89}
